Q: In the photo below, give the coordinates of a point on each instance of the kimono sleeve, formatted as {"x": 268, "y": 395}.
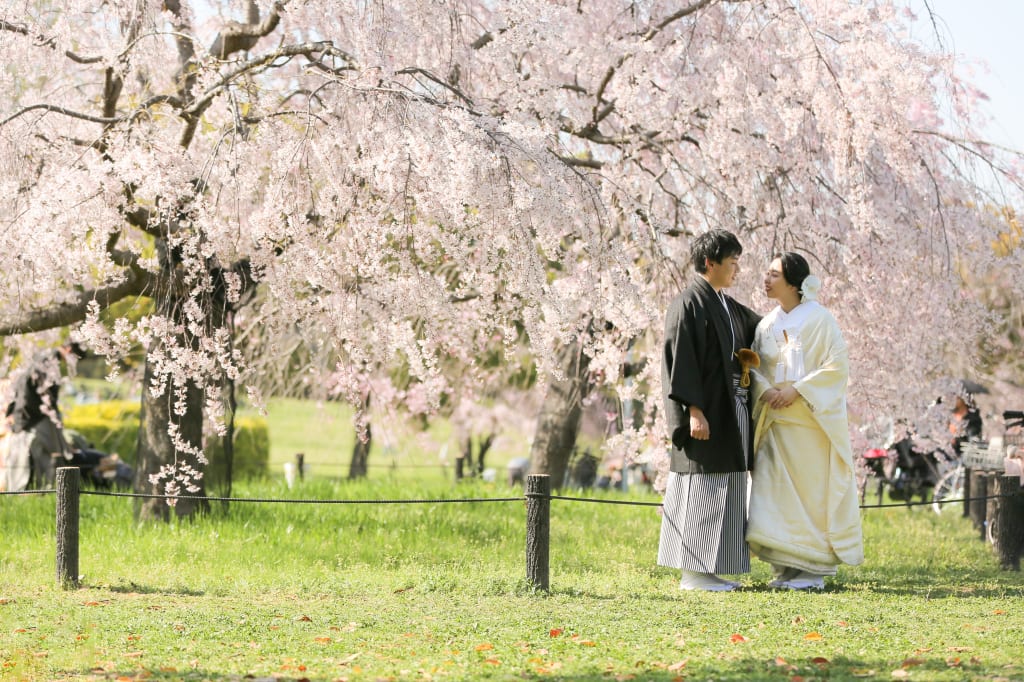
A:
{"x": 824, "y": 386}
{"x": 681, "y": 352}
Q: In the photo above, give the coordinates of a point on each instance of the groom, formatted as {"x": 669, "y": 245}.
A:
{"x": 708, "y": 418}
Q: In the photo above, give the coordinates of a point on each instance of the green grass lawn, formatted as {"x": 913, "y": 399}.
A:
{"x": 437, "y": 592}
{"x": 325, "y": 434}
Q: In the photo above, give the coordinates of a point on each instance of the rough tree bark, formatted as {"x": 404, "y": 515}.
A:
{"x": 359, "y": 466}
{"x": 559, "y": 421}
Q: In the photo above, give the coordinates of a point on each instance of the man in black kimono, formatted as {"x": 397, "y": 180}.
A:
{"x": 708, "y": 419}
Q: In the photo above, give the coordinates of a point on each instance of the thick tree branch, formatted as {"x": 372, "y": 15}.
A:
{"x": 238, "y": 37}
{"x": 61, "y": 315}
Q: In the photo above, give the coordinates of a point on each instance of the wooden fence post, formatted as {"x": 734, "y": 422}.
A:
{"x": 1006, "y": 520}
{"x": 69, "y": 481}
{"x": 979, "y": 491}
{"x": 538, "y": 529}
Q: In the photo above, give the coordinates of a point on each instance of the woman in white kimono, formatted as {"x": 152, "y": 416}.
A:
{"x": 803, "y": 518}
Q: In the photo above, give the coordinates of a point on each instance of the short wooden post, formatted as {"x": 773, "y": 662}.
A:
{"x": 460, "y": 462}
{"x": 538, "y": 529}
{"x": 300, "y": 464}
{"x": 1006, "y": 520}
{"x": 69, "y": 481}
{"x": 979, "y": 490}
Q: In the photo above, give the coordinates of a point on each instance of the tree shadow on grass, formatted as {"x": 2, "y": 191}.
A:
{"x": 711, "y": 668}
{"x": 136, "y": 588}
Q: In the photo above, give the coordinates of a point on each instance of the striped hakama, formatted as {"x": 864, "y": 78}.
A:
{"x": 705, "y": 515}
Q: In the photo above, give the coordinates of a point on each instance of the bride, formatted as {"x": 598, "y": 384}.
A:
{"x": 804, "y": 518}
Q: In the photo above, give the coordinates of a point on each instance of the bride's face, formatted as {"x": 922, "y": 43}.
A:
{"x": 775, "y": 284}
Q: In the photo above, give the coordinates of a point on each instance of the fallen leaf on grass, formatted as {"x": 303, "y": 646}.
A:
{"x": 798, "y": 620}
{"x": 911, "y": 662}
{"x": 900, "y": 673}
{"x": 953, "y": 662}
{"x": 587, "y": 642}
{"x": 484, "y": 647}
{"x": 780, "y": 661}
{"x": 998, "y": 612}
{"x": 678, "y": 666}
{"x": 923, "y": 650}
{"x": 492, "y": 661}
{"x": 737, "y": 638}
{"x": 958, "y": 649}
{"x": 303, "y": 619}
{"x": 555, "y": 632}
{"x": 4, "y": 601}
{"x": 819, "y": 660}
{"x": 348, "y": 659}
{"x": 322, "y": 640}
{"x": 812, "y": 636}
{"x": 842, "y": 624}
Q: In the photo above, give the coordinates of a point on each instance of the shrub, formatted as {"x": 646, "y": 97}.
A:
{"x": 113, "y": 426}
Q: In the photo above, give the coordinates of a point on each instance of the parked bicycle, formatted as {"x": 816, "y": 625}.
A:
{"x": 908, "y": 468}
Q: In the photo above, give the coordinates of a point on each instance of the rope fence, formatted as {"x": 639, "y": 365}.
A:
{"x": 537, "y": 497}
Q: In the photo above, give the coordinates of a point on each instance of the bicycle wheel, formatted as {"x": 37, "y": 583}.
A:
{"x": 950, "y": 488}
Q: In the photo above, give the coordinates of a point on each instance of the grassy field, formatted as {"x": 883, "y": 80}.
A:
{"x": 437, "y": 592}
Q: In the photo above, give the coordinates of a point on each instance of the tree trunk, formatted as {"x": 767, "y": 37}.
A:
{"x": 359, "y": 466}
{"x": 559, "y": 421}
{"x": 156, "y": 449}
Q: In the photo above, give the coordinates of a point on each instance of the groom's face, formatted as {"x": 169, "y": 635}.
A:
{"x": 722, "y": 275}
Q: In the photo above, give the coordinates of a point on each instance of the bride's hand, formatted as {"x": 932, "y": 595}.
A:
{"x": 783, "y": 397}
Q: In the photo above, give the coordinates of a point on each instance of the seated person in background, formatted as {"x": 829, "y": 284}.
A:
{"x": 965, "y": 424}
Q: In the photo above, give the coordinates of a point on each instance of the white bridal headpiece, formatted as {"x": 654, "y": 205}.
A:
{"x": 810, "y": 288}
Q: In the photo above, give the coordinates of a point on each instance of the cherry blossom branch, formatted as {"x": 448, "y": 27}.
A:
{"x": 423, "y": 72}
{"x": 676, "y": 16}
{"x": 104, "y": 120}
{"x": 266, "y": 60}
{"x": 48, "y": 42}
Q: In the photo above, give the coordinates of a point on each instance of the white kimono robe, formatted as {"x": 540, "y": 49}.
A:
{"x": 803, "y": 500}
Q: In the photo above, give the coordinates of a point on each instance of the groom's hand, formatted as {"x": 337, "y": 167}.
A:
{"x": 699, "y": 428}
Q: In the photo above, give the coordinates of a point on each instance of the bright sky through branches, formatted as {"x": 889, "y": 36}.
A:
{"x": 985, "y": 36}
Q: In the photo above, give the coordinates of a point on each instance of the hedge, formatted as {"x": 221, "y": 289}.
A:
{"x": 113, "y": 426}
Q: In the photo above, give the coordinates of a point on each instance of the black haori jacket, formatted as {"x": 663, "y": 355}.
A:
{"x": 696, "y": 370}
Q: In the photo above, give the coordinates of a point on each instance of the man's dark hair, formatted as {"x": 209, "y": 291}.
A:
{"x": 715, "y": 246}
{"x": 794, "y": 268}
